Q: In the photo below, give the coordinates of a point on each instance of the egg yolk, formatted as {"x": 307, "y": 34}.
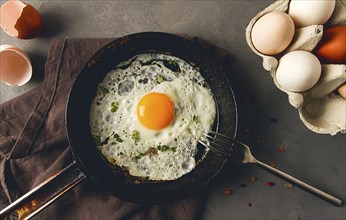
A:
{"x": 155, "y": 111}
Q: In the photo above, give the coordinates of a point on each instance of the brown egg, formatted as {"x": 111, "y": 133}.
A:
{"x": 20, "y": 19}
{"x": 342, "y": 90}
{"x": 332, "y": 47}
{"x": 272, "y": 33}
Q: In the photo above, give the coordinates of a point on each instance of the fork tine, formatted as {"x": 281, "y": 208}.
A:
{"x": 221, "y": 135}
{"x": 217, "y": 148}
{"x": 206, "y": 144}
{"x": 222, "y": 139}
{"x": 226, "y": 146}
{"x": 213, "y": 149}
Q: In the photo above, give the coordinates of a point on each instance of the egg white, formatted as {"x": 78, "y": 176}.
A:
{"x": 145, "y": 156}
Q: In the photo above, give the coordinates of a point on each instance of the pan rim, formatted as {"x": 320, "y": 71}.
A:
{"x": 68, "y": 124}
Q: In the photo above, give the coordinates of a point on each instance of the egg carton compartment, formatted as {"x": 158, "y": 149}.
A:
{"x": 320, "y": 108}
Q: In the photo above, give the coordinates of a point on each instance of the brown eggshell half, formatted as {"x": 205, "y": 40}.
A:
{"x": 20, "y": 19}
{"x": 15, "y": 66}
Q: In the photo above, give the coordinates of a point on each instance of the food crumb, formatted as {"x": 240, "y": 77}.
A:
{"x": 272, "y": 165}
{"x": 288, "y": 185}
{"x": 249, "y": 204}
{"x": 227, "y": 192}
{"x": 280, "y": 149}
{"x": 253, "y": 179}
{"x": 270, "y": 184}
{"x": 258, "y": 141}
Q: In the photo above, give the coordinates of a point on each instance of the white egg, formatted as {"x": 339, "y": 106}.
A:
{"x": 310, "y": 12}
{"x": 156, "y": 154}
{"x": 298, "y": 71}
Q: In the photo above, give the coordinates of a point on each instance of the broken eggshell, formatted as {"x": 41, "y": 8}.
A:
{"x": 320, "y": 108}
{"x": 15, "y": 66}
{"x": 20, "y": 19}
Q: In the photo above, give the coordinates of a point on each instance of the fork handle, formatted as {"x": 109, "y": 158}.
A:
{"x": 319, "y": 193}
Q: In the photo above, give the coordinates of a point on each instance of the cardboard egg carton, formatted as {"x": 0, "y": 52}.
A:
{"x": 320, "y": 108}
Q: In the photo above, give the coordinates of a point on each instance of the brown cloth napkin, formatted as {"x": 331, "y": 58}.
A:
{"x": 33, "y": 146}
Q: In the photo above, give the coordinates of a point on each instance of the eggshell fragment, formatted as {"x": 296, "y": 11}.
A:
{"x": 310, "y": 12}
{"x": 15, "y": 66}
{"x": 272, "y": 33}
{"x": 20, "y": 19}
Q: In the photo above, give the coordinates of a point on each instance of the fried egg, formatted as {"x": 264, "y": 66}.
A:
{"x": 149, "y": 113}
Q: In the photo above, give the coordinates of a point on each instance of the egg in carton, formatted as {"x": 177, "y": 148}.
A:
{"x": 320, "y": 108}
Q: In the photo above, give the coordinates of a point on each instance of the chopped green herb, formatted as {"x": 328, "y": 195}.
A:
{"x": 114, "y": 106}
{"x": 160, "y": 79}
{"x": 104, "y": 90}
{"x": 139, "y": 155}
{"x": 172, "y": 65}
{"x": 117, "y": 138}
{"x": 97, "y": 140}
{"x": 195, "y": 118}
{"x": 165, "y": 147}
{"x": 172, "y": 62}
{"x": 135, "y": 135}
{"x": 162, "y": 148}
{"x": 174, "y": 149}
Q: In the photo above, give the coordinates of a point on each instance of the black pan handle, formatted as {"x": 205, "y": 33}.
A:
{"x": 44, "y": 194}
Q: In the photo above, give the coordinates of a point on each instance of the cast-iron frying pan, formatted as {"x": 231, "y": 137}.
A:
{"x": 90, "y": 162}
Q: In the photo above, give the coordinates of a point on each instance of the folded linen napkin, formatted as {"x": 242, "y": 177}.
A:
{"x": 34, "y": 145}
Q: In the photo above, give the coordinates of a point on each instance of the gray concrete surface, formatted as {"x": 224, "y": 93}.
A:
{"x": 317, "y": 159}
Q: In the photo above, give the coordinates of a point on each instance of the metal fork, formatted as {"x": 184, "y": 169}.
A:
{"x": 238, "y": 152}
